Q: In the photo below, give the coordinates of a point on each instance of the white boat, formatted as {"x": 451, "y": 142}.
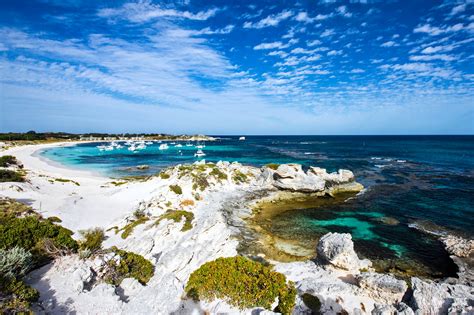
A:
{"x": 199, "y": 153}
{"x": 179, "y": 145}
{"x": 148, "y": 143}
{"x": 163, "y": 146}
{"x": 132, "y": 148}
{"x": 141, "y": 146}
{"x": 101, "y": 147}
{"x": 242, "y": 138}
{"x": 189, "y": 144}
{"x": 173, "y": 143}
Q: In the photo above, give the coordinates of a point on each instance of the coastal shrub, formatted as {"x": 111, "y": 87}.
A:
{"x": 312, "y": 302}
{"x": 129, "y": 265}
{"x": 128, "y": 229}
{"x": 32, "y": 232}
{"x": 16, "y": 297}
{"x": 8, "y": 160}
{"x": 243, "y": 283}
{"x": 177, "y": 216}
{"x": 218, "y": 173}
{"x": 239, "y": 177}
{"x": 200, "y": 181}
{"x": 92, "y": 239}
{"x": 11, "y": 176}
{"x": 64, "y": 180}
{"x": 10, "y": 207}
{"x": 14, "y": 262}
{"x": 54, "y": 219}
{"x": 273, "y": 166}
{"x": 187, "y": 202}
{"x": 164, "y": 175}
{"x": 176, "y": 189}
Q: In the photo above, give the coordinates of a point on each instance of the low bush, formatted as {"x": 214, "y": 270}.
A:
{"x": 177, "y": 216}
{"x": 8, "y": 160}
{"x": 187, "y": 202}
{"x": 65, "y": 180}
{"x": 128, "y": 229}
{"x": 243, "y": 283}
{"x": 14, "y": 262}
{"x": 239, "y": 177}
{"x": 10, "y": 207}
{"x": 218, "y": 173}
{"x": 16, "y": 297}
{"x": 176, "y": 189}
{"x": 129, "y": 265}
{"x": 92, "y": 239}
{"x": 272, "y": 166}
{"x": 11, "y": 176}
{"x": 33, "y": 233}
{"x": 200, "y": 181}
{"x": 164, "y": 175}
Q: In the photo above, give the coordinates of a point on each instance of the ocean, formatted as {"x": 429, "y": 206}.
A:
{"x": 413, "y": 183}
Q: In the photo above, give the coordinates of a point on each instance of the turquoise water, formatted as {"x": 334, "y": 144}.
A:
{"x": 412, "y": 179}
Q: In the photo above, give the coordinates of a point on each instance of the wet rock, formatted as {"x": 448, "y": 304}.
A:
{"x": 338, "y": 250}
{"x": 382, "y": 287}
{"x": 388, "y": 220}
{"x": 143, "y": 167}
{"x": 292, "y": 177}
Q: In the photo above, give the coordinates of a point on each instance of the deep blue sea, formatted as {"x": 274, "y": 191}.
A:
{"x": 416, "y": 180}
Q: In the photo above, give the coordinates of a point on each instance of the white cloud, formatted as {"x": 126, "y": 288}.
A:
{"x": 328, "y": 32}
{"x": 458, "y": 9}
{"x": 145, "y": 11}
{"x": 432, "y": 57}
{"x": 357, "y": 70}
{"x": 271, "y": 20}
{"x": 334, "y": 53}
{"x": 273, "y": 45}
{"x": 435, "y": 30}
{"x": 342, "y": 10}
{"x": 389, "y": 44}
{"x": 312, "y": 43}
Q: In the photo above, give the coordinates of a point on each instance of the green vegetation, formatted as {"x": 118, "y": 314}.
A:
{"x": 26, "y": 242}
{"x": 187, "y": 202}
{"x": 8, "y": 160}
{"x": 128, "y": 229}
{"x": 243, "y": 283}
{"x": 176, "y": 189}
{"x": 64, "y": 180}
{"x": 129, "y": 265}
{"x": 272, "y": 166}
{"x": 200, "y": 181}
{"x": 54, "y": 220}
{"x": 11, "y": 176}
{"x": 164, "y": 175}
{"x": 312, "y": 302}
{"x": 92, "y": 239}
{"x": 218, "y": 173}
{"x": 177, "y": 216}
{"x": 239, "y": 177}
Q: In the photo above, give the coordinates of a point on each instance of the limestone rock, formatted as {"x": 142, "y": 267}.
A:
{"x": 458, "y": 246}
{"x": 292, "y": 177}
{"x": 338, "y": 250}
{"x": 437, "y": 298}
{"x": 382, "y": 287}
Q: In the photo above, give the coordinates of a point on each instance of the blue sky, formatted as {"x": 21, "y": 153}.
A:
{"x": 237, "y": 67}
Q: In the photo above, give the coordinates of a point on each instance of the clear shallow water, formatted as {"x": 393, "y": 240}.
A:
{"x": 410, "y": 179}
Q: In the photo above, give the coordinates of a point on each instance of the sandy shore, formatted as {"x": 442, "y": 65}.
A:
{"x": 95, "y": 202}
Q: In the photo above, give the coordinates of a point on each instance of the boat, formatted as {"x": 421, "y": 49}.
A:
{"x": 163, "y": 146}
{"x": 148, "y": 143}
{"x": 189, "y": 144}
{"x": 241, "y": 138}
{"x": 132, "y": 148}
{"x": 141, "y": 146}
{"x": 199, "y": 153}
{"x": 179, "y": 145}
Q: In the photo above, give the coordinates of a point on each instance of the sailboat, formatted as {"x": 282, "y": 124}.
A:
{"x": 199, "y": 153}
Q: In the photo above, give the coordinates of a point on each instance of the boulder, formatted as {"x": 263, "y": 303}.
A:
{"x": 292, "y": 177}
{"x": 338, "y": 250}
{"x": 382, "y": 287}
{"x": 438, "y": 298}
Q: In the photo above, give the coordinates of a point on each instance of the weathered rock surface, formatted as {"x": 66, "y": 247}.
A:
{"x": 382, "y": 287}
{"x": 458, "y": 246}
{"x": 338, "y": 250}
{"x": 293, "y": 178}
{"x": 439, "y": 298}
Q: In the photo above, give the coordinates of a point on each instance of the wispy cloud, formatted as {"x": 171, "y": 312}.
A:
{"x": 271, "y": 20}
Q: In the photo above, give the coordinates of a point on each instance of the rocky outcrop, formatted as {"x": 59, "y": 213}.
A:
{"x": 338, "y": 250}
{"x": 458, "y": 246}
{"x": 292, "y": 177}
{"x": 441, "y": 298}
{"x": 382, "y": 287}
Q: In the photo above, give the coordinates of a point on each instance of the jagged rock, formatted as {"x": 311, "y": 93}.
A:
{"x": 458, "y": 246}
{"x": 437, "y": 298}
{"x": 338, "y": 250}
{"x": 382, "y": 287}
{"x": 383, "y": 309}
{"x": 292, "y": 177}
{"x": 81, "y": 275}
{"x": 403, "y": 309}
{"x": 341, "y": 177}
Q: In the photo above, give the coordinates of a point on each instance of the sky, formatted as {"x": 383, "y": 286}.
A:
{"x": 237, "y": 67}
